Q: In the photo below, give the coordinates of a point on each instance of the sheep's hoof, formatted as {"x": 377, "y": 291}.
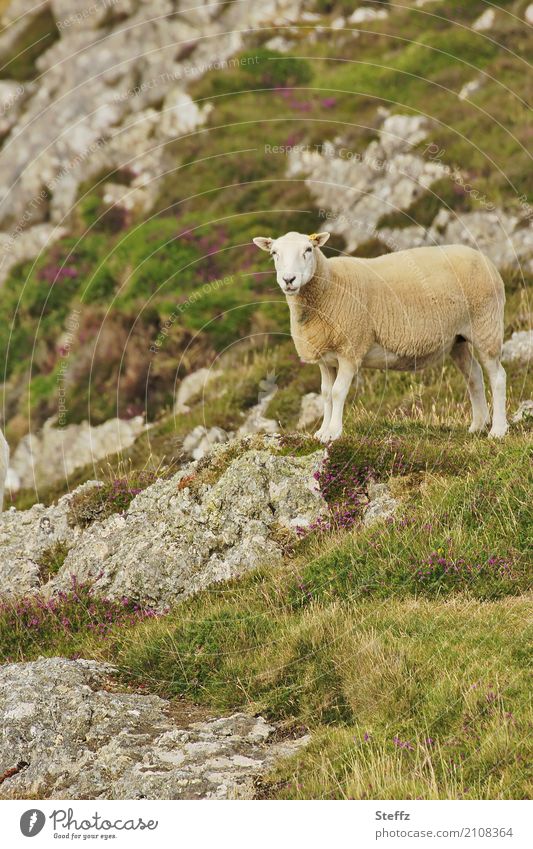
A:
{"x": 498, "y": 432}
{"x": 478, "y": 428}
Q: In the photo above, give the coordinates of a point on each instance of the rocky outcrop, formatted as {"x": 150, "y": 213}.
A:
{"x": 178, "y": 536}
{"x": 354, "y": 191}
{"x": 67, "y": 735}
{"x": 181, "y": 535}
{"x": 112, "y": 90}
{"x": 56, "y": 452}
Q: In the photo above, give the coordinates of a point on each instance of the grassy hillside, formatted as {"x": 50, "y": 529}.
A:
{"x": 127, "y": 277}
{"x": 404, "y": 647}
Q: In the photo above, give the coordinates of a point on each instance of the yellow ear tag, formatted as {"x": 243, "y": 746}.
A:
{"x": 313, "y": 236}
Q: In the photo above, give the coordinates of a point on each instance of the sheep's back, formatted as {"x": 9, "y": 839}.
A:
{"x": 420, "y": 299}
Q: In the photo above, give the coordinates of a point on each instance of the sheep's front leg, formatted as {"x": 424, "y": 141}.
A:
{"x": 327, "y": 374}
{"x": 345, "y": 374}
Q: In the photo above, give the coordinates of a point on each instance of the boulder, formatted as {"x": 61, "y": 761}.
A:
{"x": 192, "y": 385}
{"x": 69, "y": 733}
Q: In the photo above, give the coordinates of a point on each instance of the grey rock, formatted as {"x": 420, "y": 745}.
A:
{"x": 256, "y": 421}
{"x": 111, "y": 90}
{"x": 381, "y": 504}
{"x": 54, "y": 453}
{"x": 524, "y": 412}
{"x": 200, "y": 441}
{"x": 25, "y": 535}
{"x": 519, "y": 348}
{"x": 311, "y": 410}
{"x": 174, "y": 540}
{"x": 367, "y": 13}
{"x": 191, "y": 386}
{"x": 82, "y": 741}
{"x": 356, "y": 190}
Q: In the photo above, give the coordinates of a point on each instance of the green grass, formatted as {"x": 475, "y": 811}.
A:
{"x": 413, "y": 685}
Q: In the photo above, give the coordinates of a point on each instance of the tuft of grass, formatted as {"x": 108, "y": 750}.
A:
{"x": 52, "y": 559}
{"x": 99, "y": 502}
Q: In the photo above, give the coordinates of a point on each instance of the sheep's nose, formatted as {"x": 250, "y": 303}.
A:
{"x": 289, "y": 279}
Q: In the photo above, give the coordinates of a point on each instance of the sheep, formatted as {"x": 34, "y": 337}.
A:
{"x": 403, "y": 311}
{"x": 4, "y": 463}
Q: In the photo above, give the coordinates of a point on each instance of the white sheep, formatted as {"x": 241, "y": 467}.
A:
{"x": 4, "y": 464}
{"x": 401, "y": 311}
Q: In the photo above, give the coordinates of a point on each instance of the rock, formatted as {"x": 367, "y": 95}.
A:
{"x": 485, "y": 21}
{"x": 82, "y": 741}
{"x": 25, "y": 535}
{"x": 20, "y": 245}
{"x": 78, "y": 14}
{"x": 180, "y": 114}
{"x": 113, "y": 65}
{"x": 367, "y": 13}
{"x": 381, "y": 505}
{"x": 355, "y": 190}
{"x": 255, "y": 421}
{"x": 311, "y": 410}
{"x": 524, "y": 412}
{"x": 470, "y": 88}
{"x": 177, "y": 538}
{"x": 12, "y": 95}
{"x": 191, "y": 386}
{"x": 279, "y": 43}
{"x": 199, "y": 442}
{"x": 497, "y": 233}
{"x": 519, "y": 348}
{"x": 56, "y": 452}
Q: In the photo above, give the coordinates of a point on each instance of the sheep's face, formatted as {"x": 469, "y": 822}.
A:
{"x": 295, "y": 258}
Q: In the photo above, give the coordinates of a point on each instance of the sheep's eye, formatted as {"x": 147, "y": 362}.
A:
{"x": 307, "y": 250}
{"x": 273, "y": 254}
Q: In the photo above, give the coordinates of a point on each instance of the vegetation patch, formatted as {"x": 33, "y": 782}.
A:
{"x": 52, "y": 559}
{"x": 99, "y": 502}
{"x": 34, "y": 626}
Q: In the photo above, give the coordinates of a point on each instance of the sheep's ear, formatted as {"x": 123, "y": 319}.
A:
{"x": 319, "y": 239}
{"x": 263, "y": 242}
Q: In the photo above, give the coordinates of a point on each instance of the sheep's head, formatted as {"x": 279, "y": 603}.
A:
{"x": 295, "y": 258}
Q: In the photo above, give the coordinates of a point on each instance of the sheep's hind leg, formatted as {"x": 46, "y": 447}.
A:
{"x": 498, "y": 384}
{"x": 467, "y": 364}
{"x": 327, "y": 374}
{"x": 345, "y": 374}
